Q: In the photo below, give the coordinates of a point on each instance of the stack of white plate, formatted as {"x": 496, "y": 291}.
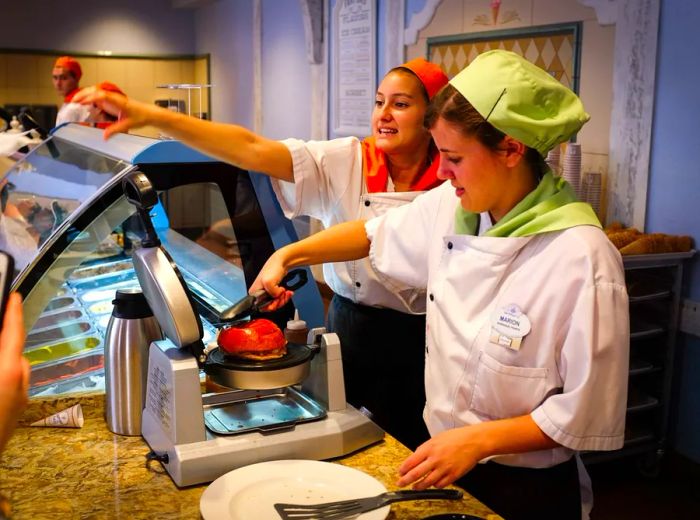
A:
{"x": 553, "y": 159}
{"x": 591, "y": 190}
{"x": 572, "y": 167}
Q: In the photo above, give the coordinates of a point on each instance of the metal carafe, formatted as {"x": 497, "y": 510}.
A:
{"x": 130, "y": 331}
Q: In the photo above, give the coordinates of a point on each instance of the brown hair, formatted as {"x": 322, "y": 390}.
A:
{"x": 454, "y": 108}
{"x": 405, "y": 70}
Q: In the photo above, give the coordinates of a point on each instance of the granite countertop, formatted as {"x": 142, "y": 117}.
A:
{"x": 91, "y": 473}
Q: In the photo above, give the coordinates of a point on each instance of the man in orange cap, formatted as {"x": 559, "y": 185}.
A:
{"x": 66, "y": 76}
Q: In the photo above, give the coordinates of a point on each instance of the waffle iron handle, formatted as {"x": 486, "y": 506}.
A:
{"x": 256, "y": 301}
{"x": 261, "y": 298}
{"x": 199, "y": 353}
{"x": 139, "y": 191}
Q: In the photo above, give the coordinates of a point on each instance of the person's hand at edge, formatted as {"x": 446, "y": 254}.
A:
{"x": 14, "y": 369}
{"x": 130, "y": 114}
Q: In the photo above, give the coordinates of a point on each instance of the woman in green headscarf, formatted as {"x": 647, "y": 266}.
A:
{"x": 527, "y": 311}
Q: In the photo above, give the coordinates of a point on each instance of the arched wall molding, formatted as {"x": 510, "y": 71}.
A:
{"x": 605, "y": 10}
{"x": 636, "y": 34}
{"x": 420, "y": 21}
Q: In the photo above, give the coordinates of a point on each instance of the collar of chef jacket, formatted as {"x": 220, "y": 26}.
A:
{"x": 551, "y": 206}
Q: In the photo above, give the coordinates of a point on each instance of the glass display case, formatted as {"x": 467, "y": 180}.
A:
{"x": 71, "y": 231}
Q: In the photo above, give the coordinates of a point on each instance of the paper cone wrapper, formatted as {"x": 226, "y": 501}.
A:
{"x": 70, "y": 418}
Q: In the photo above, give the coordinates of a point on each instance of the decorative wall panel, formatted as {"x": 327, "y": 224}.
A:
{"x": 553, "y": 48}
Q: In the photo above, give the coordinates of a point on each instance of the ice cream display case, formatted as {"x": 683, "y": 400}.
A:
{"x": 68, "y": 225}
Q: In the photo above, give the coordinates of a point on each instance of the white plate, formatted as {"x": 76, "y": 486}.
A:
{"x": 250, "y": 492}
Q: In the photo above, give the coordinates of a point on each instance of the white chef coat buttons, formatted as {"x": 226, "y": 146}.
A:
{"x": 367, "y": 203}
{"x": 509, "y": 325}
{"x": 432, "y": 298}
{"x": 450, "y": 245}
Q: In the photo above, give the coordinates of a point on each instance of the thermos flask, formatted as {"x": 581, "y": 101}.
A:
{"x": 130, "y": 331}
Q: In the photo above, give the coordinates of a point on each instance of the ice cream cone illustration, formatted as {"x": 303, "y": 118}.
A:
{"x": 495, "y": 7}
{"x": 70, "y": 418}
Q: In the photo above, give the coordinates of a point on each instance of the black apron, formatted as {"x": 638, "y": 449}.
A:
{"x": 383, "y": 364}
{"x": 526, "y": 493}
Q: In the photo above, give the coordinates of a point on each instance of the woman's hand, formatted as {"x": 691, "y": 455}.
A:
{"x": 269, "y": 278}
{"x": 14, "y": 369}
{"x": 129, "y": 113}
{"x": 441, "y": 460}
{"x": 452, "y": 453}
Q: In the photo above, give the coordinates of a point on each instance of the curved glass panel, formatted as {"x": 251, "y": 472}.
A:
{"x": 68, "y": 309}
{"x": 43, "y": 190}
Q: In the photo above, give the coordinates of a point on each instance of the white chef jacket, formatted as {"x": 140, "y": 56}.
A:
{"x": 72, "y": 113}
{"x": 328, "y": 186}
{"x": 570, "y": 372}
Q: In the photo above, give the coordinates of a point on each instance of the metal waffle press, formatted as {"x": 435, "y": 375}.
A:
{"x": 290, "y": 407}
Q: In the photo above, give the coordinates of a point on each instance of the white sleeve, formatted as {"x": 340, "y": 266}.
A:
{"x": 73, "y": 113}
{"x": 589, "y": 414}
{"x": 400, "y": 241}
{"x": 323, "y": 171}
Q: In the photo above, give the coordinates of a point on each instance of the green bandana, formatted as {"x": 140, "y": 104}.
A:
{"x": 551, "y": 206}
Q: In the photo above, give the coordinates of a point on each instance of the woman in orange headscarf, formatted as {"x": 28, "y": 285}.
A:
{"x": 381, "y": 330}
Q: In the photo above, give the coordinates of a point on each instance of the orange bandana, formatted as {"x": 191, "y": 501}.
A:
{"x": 110, "y": 87}
{"x": 70, "y": 64}
{"x": 376, "y": 174}
{"x": 70, "y": 95}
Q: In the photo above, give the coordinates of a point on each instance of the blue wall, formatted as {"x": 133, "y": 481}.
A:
{"x": 286, "y": 72}
{"x": 122, "y": 26}
{"x": 674, "y": 185}
{"x": 224, "y": 31}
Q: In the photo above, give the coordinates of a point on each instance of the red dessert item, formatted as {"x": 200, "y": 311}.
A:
{"x": 255, "y": 339}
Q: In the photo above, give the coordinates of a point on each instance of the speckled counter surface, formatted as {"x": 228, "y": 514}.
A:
{"x": 90, "y": 473}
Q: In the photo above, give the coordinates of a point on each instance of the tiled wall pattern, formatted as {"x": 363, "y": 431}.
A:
{"x": 552, "y": 53}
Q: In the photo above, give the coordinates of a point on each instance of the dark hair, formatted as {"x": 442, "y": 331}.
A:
{"x": 405, "y": 70}
{"x": 454, "y": 108}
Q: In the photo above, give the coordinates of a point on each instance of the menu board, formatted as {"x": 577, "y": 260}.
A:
{"x": 354, "y": 49}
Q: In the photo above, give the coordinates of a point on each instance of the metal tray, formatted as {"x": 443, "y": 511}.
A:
{"x": 61, "y": 332}
{"x": 106, "y": 293}
{"x": 100, "y": 308}
{"x": 55, "y": 373}
{"x": 263, "y": 410}
{"x": 102, "y": 280}
{"x": 93, "y": 271}
{"x": 60, "y": 303}
{"x": 91, "y": 381}
{"x": 54, "y": 319}
{"x": 64, "y": 350}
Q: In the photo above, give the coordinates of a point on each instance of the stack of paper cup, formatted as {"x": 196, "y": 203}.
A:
{"x": 553, "y": 159}
{"x": 591, "y": 190}
{"x": 572, "y": 167}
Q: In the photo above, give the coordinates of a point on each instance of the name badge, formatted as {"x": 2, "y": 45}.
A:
{"x": 509, "y": 325}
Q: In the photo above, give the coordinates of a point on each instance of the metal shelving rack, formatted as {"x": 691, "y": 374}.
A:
{"x": 654, "y": 284}
{"x": 188, "y": 87}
